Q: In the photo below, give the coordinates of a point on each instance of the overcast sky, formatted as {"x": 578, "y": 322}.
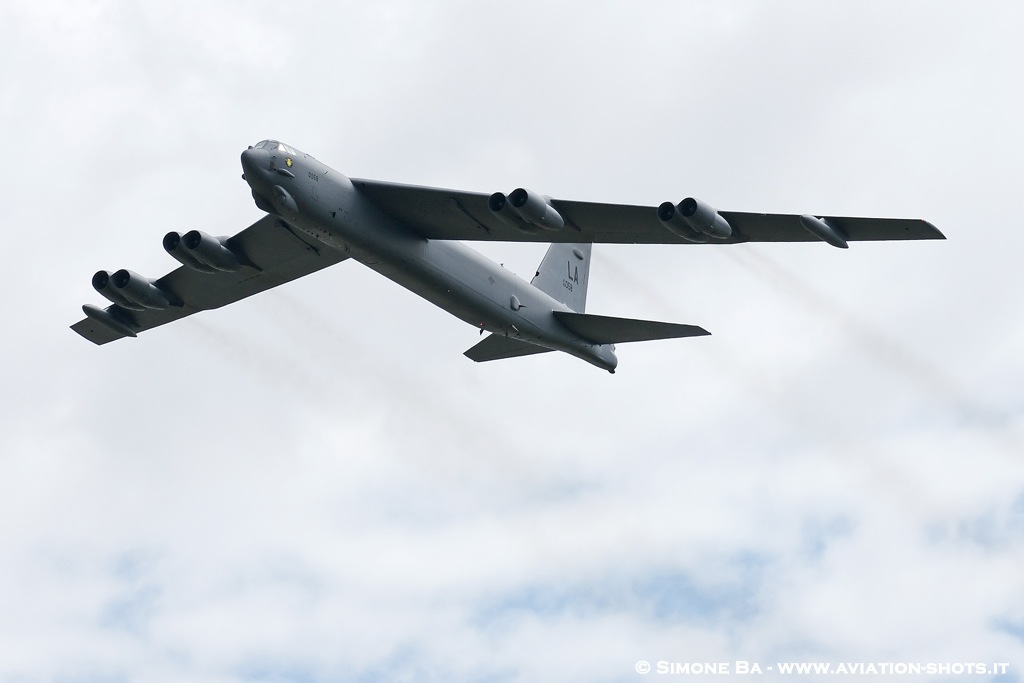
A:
{"x": 315, "y": 484}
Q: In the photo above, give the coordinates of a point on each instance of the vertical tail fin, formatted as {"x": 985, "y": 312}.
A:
{"x": 564, "y": 274}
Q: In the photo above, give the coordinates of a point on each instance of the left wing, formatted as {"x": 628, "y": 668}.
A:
{"x": 271, "y": 253}
{"x": 437, "y": 213}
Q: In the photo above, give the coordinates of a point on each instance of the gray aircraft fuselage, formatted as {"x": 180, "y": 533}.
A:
{"x": 325, "y": 204}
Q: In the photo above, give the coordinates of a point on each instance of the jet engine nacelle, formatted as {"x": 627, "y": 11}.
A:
{"x": 673, "y": 220}
{"x": 131, "y": 290}
{"x": 700, "y": 217}
{"x": 525, "y": 211}
{"x": 201, "y": 252}
{"x": 535, "y": 209}
{"x": 503, "y": 211}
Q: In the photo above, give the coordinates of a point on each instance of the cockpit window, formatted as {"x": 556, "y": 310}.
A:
{"x": 275, "y": 146}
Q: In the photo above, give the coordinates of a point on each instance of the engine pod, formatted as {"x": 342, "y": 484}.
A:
{"x": 173, "y": 246}
{"x": 501, "y": 208}
{"x": 140, "y": 290}
{"x": 673, "y": 220}
{"x": 132, "y": 291}
{"x": 102, "y": 284}
{"x": 702, "y": 218}
{"x": 210, "y": 251}
{"x": 535, "y": 209}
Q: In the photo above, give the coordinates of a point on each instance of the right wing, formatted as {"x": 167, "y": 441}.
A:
{"x": 272, "y": 254}
{"x": 437, "y": 213}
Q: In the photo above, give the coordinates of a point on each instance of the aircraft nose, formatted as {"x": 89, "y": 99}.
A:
{"x": 254, "y": 161}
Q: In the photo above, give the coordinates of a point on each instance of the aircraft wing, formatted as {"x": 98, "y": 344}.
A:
{"x": 438, "y": 213}
{"x": 273, "y": 254}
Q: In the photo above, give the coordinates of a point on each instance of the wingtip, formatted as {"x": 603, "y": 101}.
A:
{"x": 100, "y": 326}
{"x": 936, "y": 233}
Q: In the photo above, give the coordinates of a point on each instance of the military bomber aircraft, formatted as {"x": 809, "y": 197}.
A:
{"x": 317, "y": 217}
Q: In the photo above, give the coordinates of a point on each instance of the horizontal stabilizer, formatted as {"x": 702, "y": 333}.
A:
{"x": 602, "y": 329}
{"x": 498, "y": 346}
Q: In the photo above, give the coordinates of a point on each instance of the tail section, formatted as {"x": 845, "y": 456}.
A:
{"x": 564, "y": 274}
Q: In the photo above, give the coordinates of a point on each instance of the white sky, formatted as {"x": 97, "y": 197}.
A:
{"x": 315, "y": 484}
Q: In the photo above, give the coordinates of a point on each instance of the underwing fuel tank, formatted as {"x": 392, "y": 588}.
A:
{"x": 108, "y": 321}
{"x": 824, "y": 231}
